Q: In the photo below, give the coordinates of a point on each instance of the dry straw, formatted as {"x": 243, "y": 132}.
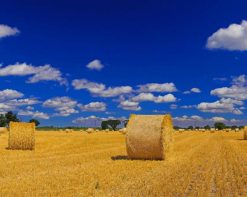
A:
{"x": 149, "y": 136}
{"x": 245, "y": 132}
{"x": 21, "y": 136}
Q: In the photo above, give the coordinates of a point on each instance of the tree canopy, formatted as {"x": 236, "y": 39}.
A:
{"x": 8, "y": 117}
{"x": 219, "y": 125}
{"x": 37, "y": 123}
{"x": 110, "y": 124}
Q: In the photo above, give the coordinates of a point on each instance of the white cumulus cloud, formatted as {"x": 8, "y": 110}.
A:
{"x": 64, "y": 106}
{"x": 238, "y": 89}
{"x": 33, "y": 114}
{"x": 99, "y": 89}
{"x": 8, "y": 94}
{"x": 224, "y": 105}
{"x": 95, "y": 65}
{"x": 6, "y": 31}
{"x": 234, "y": 37}
{"x": 195, "y": 90}
{"x": 12, "y": 100}
{"x": 38, "y": 73}
{"x": 192, "y": 90}
{"x": 129, "y": 105}
{"x": 157, "y": 99}
{"x": 157, "y": 87}
{"x": 93, "y": 106}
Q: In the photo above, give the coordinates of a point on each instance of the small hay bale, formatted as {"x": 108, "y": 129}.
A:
{"x": 149, "y": 136}
{"x": 245, "y": 132}
{"x": 68, "y": 130}
{"x": 3, "y": 129}
{"x": 21, "y": 136}
{"x": 90, "y": 130}
{"x": 123, "y": 130}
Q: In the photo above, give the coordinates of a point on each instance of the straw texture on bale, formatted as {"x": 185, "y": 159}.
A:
{"x": 245, "y": 132}
{"x": 21, "y": 136}
{"x": 149, "y": 136}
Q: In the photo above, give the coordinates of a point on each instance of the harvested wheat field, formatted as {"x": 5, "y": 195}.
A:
{"x": 78, "y": 164}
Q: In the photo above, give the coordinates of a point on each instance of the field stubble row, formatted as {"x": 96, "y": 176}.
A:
{"x": 78, "y": 164}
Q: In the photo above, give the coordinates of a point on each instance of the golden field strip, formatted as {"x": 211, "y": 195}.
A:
{"x": 81, "y": 164}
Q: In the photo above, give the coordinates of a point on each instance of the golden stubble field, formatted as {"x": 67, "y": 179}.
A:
{"x": 81, "y": 164}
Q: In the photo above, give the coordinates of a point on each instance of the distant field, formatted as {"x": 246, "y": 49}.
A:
{"x": 81, "y": 164}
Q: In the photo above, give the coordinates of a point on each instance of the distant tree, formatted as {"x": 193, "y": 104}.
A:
{"x": 207, "y": 127}
{"x": 177, "y": 127}
{"x": 125, "y": 122}
{"x": 104, "y": 125}
{"x": 190, "y": 127}
{"x": 219, "y": 125}
{"x": 3, "y": 121}
{"x": 10, "y": 116}
{"x": 110, "y": 124}
{"x": 234, "y": 127}
{"x": 37, "y": 123}
{"x": 197, "y": 128}
{"x": 241, "y": 127}
{"x": 113, "y": 123}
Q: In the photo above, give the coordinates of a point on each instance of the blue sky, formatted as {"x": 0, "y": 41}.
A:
{"x": 78, "y": 62}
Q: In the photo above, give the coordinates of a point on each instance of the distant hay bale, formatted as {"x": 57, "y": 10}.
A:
{"x": 245, "y": 132}
{"x": 3, "y": 129}
{"x": 90, "y": 130}
{"x": 123, "y": 130}
{"x": 21, "y": 136}
{"x": 68, "y": 130}
{"x": 149, "y": 136}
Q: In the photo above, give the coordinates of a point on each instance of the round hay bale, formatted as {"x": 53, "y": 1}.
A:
{"x": 123, "y": 130}
{"x": 245, "y": 132}
{"x": 3, "y": 129}
{"x": 149, "y": 136}
{"x": 21, "y": 136}
{"x": 68, "y": 130}
{"x": 90, "y": 130}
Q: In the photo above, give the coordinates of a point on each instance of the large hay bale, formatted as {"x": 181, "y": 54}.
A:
{"x": 21, "y": 136}
{"x": 245, "y": 132}
{"x": 149, "y": 136}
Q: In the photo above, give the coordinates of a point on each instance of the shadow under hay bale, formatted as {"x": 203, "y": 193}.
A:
{"x": 21, "y": 136}
{"x": 149, "y": 136}
{"x": 120, "y": 157}
{"x": 245, "y": 133}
